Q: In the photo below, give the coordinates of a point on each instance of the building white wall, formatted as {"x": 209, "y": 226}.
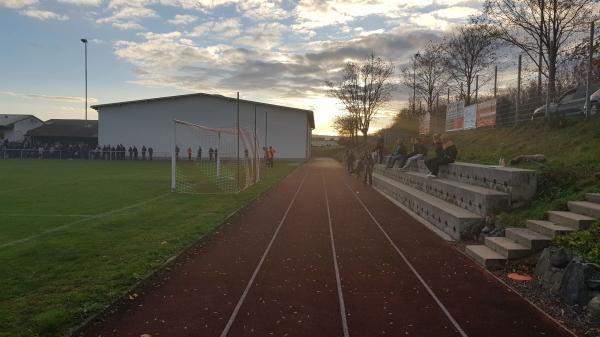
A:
{"x": 20, "y": 128}
{"x": 150, "y": 123}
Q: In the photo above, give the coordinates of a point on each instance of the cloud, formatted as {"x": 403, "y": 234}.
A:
{"x": 182, "y": 20}
{"x": 17, "y": 3}
{"x": 262, "y": 10}
{"x": 127, "y": 17}
{"x": 43, "y": 15}
{"x": 71, "y": 99}
{"x": 226, "y": 28}
{"x": 263, "y": 35}
{"x": 82, "y": 2}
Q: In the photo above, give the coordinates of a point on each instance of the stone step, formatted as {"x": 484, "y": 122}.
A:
{"x": 507, "y": 247}
{"x": 588, "y": 208}
{"x": 593, "y": 197}
{"x": 477, "y": 199}
{"x": 570, "y": 219}
{"x": 548, "y": 228}
{"x": 485, "y": 256}
{"x": 449, "y": 218}
{"x": 528, "y": 238}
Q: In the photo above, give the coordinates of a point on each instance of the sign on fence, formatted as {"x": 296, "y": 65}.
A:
{"x": 455, "y": 116}
{"x": 425, "y": 124}
{"x": 486, "y": 113}
{"x": 470, "y": 117}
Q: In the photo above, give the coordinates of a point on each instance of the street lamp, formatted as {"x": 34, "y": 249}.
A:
{"x": 86, "y": 103}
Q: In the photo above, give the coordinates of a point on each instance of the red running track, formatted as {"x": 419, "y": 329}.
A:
{"x": 323, "y": 255}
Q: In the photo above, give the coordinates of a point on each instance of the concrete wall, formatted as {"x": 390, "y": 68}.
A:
{"x": 150, "y": 124}
{"x": 20, "y": 128}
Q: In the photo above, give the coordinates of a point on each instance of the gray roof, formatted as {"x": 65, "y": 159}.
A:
{"x": 311, "y": 117}
{"x": 8, "y": 120}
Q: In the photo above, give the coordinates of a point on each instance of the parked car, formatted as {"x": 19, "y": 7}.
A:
{"x": 571, "y": 103}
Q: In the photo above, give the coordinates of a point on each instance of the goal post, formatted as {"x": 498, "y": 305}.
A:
{"x": 213, "y": 160}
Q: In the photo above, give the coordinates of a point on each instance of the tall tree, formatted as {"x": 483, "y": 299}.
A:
{"x": 469, "y": 51}
{"x": 542, "y": 29}
{"x": 364, "y": 89}
{"x": 426, "y": 75}
{"x": 345, "y": 126}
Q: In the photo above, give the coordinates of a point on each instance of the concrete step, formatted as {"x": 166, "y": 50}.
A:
{"x": 588, "y": 208}
{"x": 477, "y": 199}
{"x": 548, "y": 228}
{"x": 449, "y": 218}
{"x": 570, "y": 219}
{"x": 528, "y": 238}
{"x": 593, "y": 197}
{"x": 507, "y": 247}
{"x": 485, "y": 256}
{"x": 521, "y": 184}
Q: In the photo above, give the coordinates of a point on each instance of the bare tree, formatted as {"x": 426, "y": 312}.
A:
{"x": 469, "y": 51}
{"x": 345, "y": 125}
{"x": 426, "y": 75}
{"x": 364, "y": 89}
{"x": 542, "y": 29}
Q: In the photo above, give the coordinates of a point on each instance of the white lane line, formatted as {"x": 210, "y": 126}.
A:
{"x": 94, "y": 217}
{"x": 262, "y": 259}
{"x": 335, "y": 265}
{"x": 433, "y": 295}
{"x": 15, "y": 215}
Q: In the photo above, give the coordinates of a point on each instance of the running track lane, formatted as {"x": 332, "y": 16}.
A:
{"x": 197, "y": 293}
{"x": 481, "y": 305}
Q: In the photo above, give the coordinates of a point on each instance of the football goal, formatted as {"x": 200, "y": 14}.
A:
{"x": 213, "y": 160}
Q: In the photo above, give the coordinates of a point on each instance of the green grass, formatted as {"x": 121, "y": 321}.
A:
{"x": 572, "y": 153}
{"x": 75, "y": 235}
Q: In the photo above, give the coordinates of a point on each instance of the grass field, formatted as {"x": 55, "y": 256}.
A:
{"x": 75, "y": 235}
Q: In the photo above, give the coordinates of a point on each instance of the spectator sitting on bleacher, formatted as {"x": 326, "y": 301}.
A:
{"x": 446, "y": 156}
{"x": 419, "y": 151}
{"x": 399, "y": 154}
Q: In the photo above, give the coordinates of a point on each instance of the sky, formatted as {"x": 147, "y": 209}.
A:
{"x": 278, "y": 51}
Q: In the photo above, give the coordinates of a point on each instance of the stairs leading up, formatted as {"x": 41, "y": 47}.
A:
{"x": 520, "y": 242}
{"x": 486, "y": 256}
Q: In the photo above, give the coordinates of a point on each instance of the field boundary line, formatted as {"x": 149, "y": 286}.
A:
{"x": 94, "y": 217}
{"x": 412, "y": 268}
{"x": 335, "y": 266}
{"x": 261, "y": 261}
{"x": 16, "y": 215}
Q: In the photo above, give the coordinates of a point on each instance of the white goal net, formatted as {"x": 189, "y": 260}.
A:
{"x": 213, "y": 160}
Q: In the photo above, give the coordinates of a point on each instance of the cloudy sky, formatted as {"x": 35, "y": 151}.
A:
{"x": 276, "y": 51}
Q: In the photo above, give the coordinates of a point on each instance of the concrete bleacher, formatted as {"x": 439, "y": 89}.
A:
{"x": 460, "y": 198}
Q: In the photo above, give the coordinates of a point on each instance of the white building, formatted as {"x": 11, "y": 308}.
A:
{"x": 149, "y": 122}
{"x": 14, "y": 127}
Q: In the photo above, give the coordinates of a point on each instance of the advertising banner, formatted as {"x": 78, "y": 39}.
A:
{"x": 486, "y": 113}
{"x": 455, "y": 116}
{"x": 470, "y": 117}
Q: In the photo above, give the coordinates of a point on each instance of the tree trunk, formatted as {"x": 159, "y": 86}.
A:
{"x": 364, "y": 132}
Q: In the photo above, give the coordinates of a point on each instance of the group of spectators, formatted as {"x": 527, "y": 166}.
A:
{"x": 445, "y": 153}
{"x": 121, "y": 152}
{"x": 42, "y": 150}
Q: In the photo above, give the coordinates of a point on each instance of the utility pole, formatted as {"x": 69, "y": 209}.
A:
{"x": 415, "y": 82}
{"x": 238, "y": 141}
{"x": 588, "y": 108}
{"x": 541, "y": 50}
{"x": 476, "y": 88}
{"x": 85, "y": 41}
{"x": 495, "y": 80}
{"x": 519, "y": 94}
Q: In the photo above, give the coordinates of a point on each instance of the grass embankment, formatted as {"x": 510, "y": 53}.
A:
{"x": 75, "y": 235}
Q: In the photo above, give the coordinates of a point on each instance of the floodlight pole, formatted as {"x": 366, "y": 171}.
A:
{"x": 173, "y": 163}
{"x": 85, "y": 41}
{"x": 238, "y": 141}
{"x": 588, "y": 108}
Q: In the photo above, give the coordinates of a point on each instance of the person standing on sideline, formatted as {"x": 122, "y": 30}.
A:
{"x": 189, "y": 152}
{"x": 216, "y": 153}
{"x": 150, "y": 152}
{"x": 130, "y": 150}
{"x": 350, "y": 160}
{"x": 199, "y": 154}
{"x": 143, "y": 152}
{"x": 270, "y": 156}
{"x": 176, "y": 152}
{"x": 135, "y": 153}
{"x": 399, "y": 154}
{"x": 211, "y": 152}
{"x": 379, "y": 148}
{"x": 368, "y": 164}
{"x": 446, "y": 156}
